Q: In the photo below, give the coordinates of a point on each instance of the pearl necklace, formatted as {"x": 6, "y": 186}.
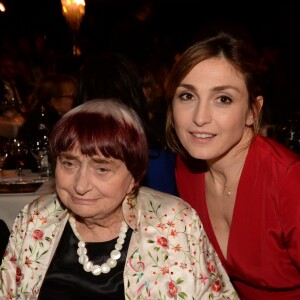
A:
{"x": 88, "y": 266}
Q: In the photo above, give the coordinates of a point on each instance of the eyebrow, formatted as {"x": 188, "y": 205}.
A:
{"x": 187, "y": 86}
{"x": 96, "y": 159}
{"x": 67, "y": 155}
{"x": 214, "y": 89}
{"x": 102, "y": 160}
{"x": 225, "y": 87}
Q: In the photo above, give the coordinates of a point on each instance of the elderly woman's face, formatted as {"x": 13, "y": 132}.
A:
{"x": 92, "y": 187}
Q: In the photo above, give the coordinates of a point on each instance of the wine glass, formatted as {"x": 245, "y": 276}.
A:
{"x": 19, "y": 152}
{"x": 4, "y": 151}
{"x": 39, "y": 150}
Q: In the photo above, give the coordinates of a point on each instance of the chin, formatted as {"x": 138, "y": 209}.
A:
{"x": 84, "y": 214}
{"x": 204, "y": 155}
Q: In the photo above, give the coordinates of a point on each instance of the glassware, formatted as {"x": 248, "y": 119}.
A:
{"x": 39, "y": 150}
{"x": 19, "y": 152}
{"x": 4, "y": 151}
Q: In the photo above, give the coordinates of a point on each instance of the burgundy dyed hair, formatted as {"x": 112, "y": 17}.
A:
{"x": 107, "y": 127}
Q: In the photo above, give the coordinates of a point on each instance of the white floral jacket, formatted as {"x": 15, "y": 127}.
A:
{"x": 169, "y": 255}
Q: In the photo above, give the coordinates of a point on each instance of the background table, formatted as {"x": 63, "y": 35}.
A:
{"x": 11, "y": 204}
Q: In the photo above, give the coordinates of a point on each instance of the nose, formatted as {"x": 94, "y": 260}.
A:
{"x": 202, "y": 113}
{"x": 82, "y": 182}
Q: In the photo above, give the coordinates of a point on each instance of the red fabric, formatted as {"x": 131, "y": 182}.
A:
{"x": 263, "y": 259}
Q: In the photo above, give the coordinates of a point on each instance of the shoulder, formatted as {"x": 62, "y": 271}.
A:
{"x": 46, "y": 209}
{"x": 275, "y": 165}
{"x": 44, "y": 202}
{"x": 156, "y": 208}
{"x": 34, "y": 237}
{"x": 268, "y": 150}
{"x": 158, "y": 204}
{"x": 44, "y": 214}
{"x": 39, "y": 220}
{"x": 147, "y": 195}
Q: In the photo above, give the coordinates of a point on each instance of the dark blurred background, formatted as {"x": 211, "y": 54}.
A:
{"x": 168, "y": 28}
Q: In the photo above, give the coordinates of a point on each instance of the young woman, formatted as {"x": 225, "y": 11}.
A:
{"x": 245, "y": 187}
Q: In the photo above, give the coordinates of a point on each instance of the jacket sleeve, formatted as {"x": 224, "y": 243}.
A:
{"x": 10, "y": 271}
{"x": 35, "y": 234}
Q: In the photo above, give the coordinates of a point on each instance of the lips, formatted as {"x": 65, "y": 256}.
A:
{"x": 83, "y": 201}
{"x": 203, "y": 135}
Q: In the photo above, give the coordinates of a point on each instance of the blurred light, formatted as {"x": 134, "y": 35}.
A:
{"x": 2, "y": 7}
{"x": 73, "y": 10}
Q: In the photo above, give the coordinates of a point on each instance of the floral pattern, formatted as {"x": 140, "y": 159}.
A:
{"x": 173, "y": 259}
{"x": 169, "y": 256}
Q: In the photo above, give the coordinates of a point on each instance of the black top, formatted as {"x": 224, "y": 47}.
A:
{"x": 66, "y": 278}
{"x": 4, "y": 236}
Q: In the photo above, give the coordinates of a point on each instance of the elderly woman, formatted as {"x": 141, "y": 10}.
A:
{"x": 101, "y": 236}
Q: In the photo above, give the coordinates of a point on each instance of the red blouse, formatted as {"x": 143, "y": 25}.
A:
{"x": 263, "y": 255}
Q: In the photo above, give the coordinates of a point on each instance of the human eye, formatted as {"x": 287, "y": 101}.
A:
{"x": 224, "y": 100}
{"x": 67, "y": 163}
{"x": 184, "y": 95}
{"x": 102, "y": 170}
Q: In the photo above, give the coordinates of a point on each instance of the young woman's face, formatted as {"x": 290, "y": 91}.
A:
{"x": 92, "y": 187}
{"x": 210, "y": 109}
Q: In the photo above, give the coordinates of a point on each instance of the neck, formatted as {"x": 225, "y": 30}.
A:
{"x": 224, "y": 174}
{"x": 95, "y": 231}
{"x": 228, "y": 163}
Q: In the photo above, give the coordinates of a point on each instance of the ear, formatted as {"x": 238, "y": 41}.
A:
{"x": 131, "y": 186}
{"x": 254, "y": 111}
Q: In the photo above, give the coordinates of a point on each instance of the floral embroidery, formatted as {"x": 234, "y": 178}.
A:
{"x": 30, "y": 255}
{"x": 162, "y": 242}
{"x": 210, "y": 266}
{"x": 19, "y": 276}
{"x": 38, "y": 235}
{"x": 172, "y": 289}
{"x": 173, "y": 258}
{"x": 28, "y": 262}
{"x": 217, "y": 286}
{"x": 165, "y": 270}
{"x": 177, "y": 248}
